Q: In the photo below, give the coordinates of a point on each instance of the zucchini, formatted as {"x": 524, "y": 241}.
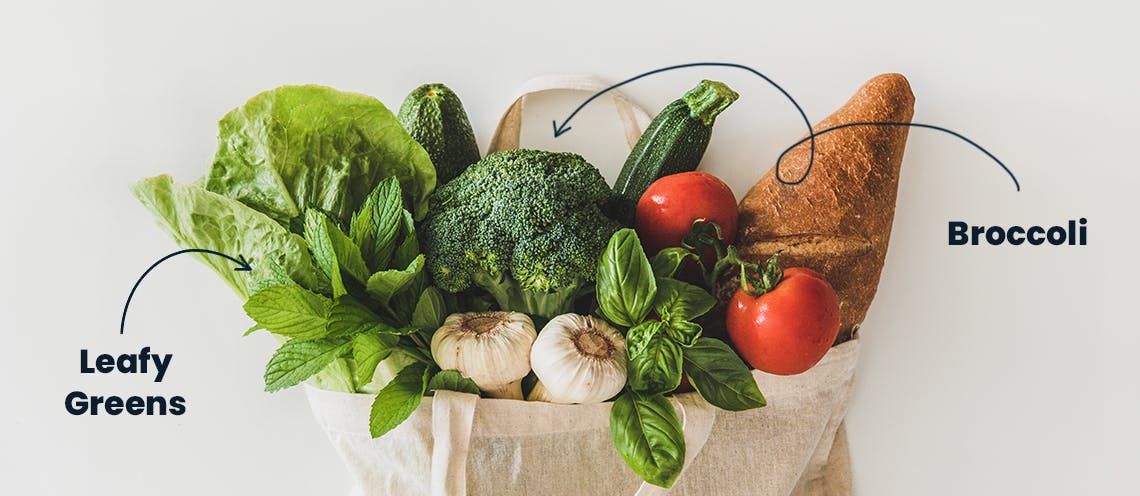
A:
{"x": 433, "y": 115}
{"x": 674, "y": 142}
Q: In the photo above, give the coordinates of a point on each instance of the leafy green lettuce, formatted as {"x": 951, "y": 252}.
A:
{"x": 197, "y": 218}
{"x": 300, "y": 147}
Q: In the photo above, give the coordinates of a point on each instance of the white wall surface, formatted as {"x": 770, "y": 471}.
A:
{"x": 985, "y": 370}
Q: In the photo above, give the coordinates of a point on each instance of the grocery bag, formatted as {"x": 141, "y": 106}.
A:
{"x": 458, "y": 444}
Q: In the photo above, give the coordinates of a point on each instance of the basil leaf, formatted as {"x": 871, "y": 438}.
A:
{"x": 333, "y": 251}
{"x": 647, "y": 434}
{"x": 683, "y": 332}
{"x": 453, "y": 380}
{"x": 289, "y": 311}
{"x": 679, "y": 301}
{"x": 374, "y": 227}
{"x": 430, "y": 311}
{"x": 383, "y": 285}
{"x": 299, "y": 359}
{"x": 397, "y": 400}
{"x": 666, "y": 262}
{"x": 654, "y": 361}
{"x": 638, "y": 336}
{"x": 721, "y": 376}
{"x": 626, "y": 286}
{"x": 368, "y": 350}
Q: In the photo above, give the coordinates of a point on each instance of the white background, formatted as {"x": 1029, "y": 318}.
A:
{"x": 986, "y": 370}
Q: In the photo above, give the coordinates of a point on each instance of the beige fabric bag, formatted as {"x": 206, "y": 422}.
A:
{"x": 456, "y": 444}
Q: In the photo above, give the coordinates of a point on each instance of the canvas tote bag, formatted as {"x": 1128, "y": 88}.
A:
{"x": 458, "y": 444}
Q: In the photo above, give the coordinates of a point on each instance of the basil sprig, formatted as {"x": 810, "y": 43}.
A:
{"x": 663, "y": 341}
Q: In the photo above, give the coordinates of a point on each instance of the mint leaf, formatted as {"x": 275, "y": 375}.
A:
{"x": 409, "y": 247}
{"x": 333, "y": 251}
{"x": 453, "y": 380}
{"x": 666, "y": 262}
{"x": 396, "y": 402}
{"x": 626, "y": 286}
{"x": 348, "y": 316}
{"x": 721, "y": 376}
{"x": 430, "y": 311}
{"x": 384, "y": 284}
{"x": 299, "y": 359}
{"x": 368, "y": 350}
{"x": 374, "y": 227}
{"x": 680, "y": 301}
{"x": 289, "y": 311}
{"x": 647, "y": 434}
{"x": 654, "y": 362}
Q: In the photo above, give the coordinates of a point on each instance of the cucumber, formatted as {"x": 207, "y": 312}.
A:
{"x": 433, "y": 115}
{"x": 674, "y": 142}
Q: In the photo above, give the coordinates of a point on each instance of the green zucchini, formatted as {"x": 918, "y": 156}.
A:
{"x": 433, "y": 115}
{"x": 674, "y": 142}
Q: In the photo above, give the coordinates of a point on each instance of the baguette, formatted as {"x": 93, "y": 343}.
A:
{"x": 838, "y": 220}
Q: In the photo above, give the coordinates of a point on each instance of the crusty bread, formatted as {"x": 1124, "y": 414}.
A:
{"x": 838, "y": 221}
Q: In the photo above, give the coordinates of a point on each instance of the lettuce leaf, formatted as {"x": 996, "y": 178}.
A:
{"x": 197, "y": 218}
{"x": 300, "y": 147}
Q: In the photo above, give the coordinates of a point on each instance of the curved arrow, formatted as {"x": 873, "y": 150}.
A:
{"x": 779, "y": 160}
{"x": 563, "y": 128}
{"x": 240, "y": 260}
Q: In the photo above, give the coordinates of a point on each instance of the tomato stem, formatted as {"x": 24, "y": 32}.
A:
{"x": 754, "y": 279}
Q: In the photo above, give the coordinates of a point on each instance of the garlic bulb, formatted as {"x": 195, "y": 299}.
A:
{"x": 491, "y": 348}
{"x": 578, "y": 359}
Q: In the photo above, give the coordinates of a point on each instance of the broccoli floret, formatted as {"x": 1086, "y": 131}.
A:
{"x": 524, "y": 225}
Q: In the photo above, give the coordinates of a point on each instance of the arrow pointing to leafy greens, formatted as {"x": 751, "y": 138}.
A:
{"x": 243, "y": 266}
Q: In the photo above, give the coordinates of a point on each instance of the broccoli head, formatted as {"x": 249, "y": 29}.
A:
{"x": 524, "y": 225}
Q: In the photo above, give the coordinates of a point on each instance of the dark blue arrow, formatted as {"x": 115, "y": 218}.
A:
{"x": 559, "y": 130}
{"x": 240, "y": 260}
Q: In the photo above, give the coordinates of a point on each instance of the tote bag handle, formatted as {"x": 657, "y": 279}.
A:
{"x": 634, "y": 120}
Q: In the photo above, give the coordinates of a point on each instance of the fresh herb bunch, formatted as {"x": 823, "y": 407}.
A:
{"x": 664, "y": 342}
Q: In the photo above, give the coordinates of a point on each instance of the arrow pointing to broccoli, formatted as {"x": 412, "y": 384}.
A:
{"x": 242, "y": 266}
{"x": 560, "y": 129}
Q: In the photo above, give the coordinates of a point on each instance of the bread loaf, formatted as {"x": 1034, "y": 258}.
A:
{"x": 838, "y": 220}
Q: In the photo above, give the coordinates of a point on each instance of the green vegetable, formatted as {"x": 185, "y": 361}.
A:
{"x": 674, "y": 142}
{"x": 678, "y": 301}
{"x": 396, "y": 401}
{"x": 721, "y": 376}
{"x": 299, "y": 147}
{"x": 288, "y": 310}
{"x": 368, "y": 350}
{"x": 626, "y": 285}
{"x": 453, "y": 380}
{"x": 299, "y": 359}
{"x": 654, "y": 359}
{"x": 666, "y": 262}
{"x": 434, "y": 116}
{"x": 333, "y": 251}
{"x": 647, "y": 434}
{"x": 197, "y": 218}
{"x": 526, "y": 226}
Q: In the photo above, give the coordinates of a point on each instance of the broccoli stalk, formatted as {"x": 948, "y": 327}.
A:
{"x": 525, "y": 226}
{"x": 510, "y": 296}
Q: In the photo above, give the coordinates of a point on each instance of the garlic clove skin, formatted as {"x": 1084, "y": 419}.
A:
{"x": 578, "y": 359}
{"x": 490, "y": 348}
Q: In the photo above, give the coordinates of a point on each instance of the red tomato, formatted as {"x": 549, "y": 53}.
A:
{"x": 665, "y": 213}
{"x": 787, "y": 330}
